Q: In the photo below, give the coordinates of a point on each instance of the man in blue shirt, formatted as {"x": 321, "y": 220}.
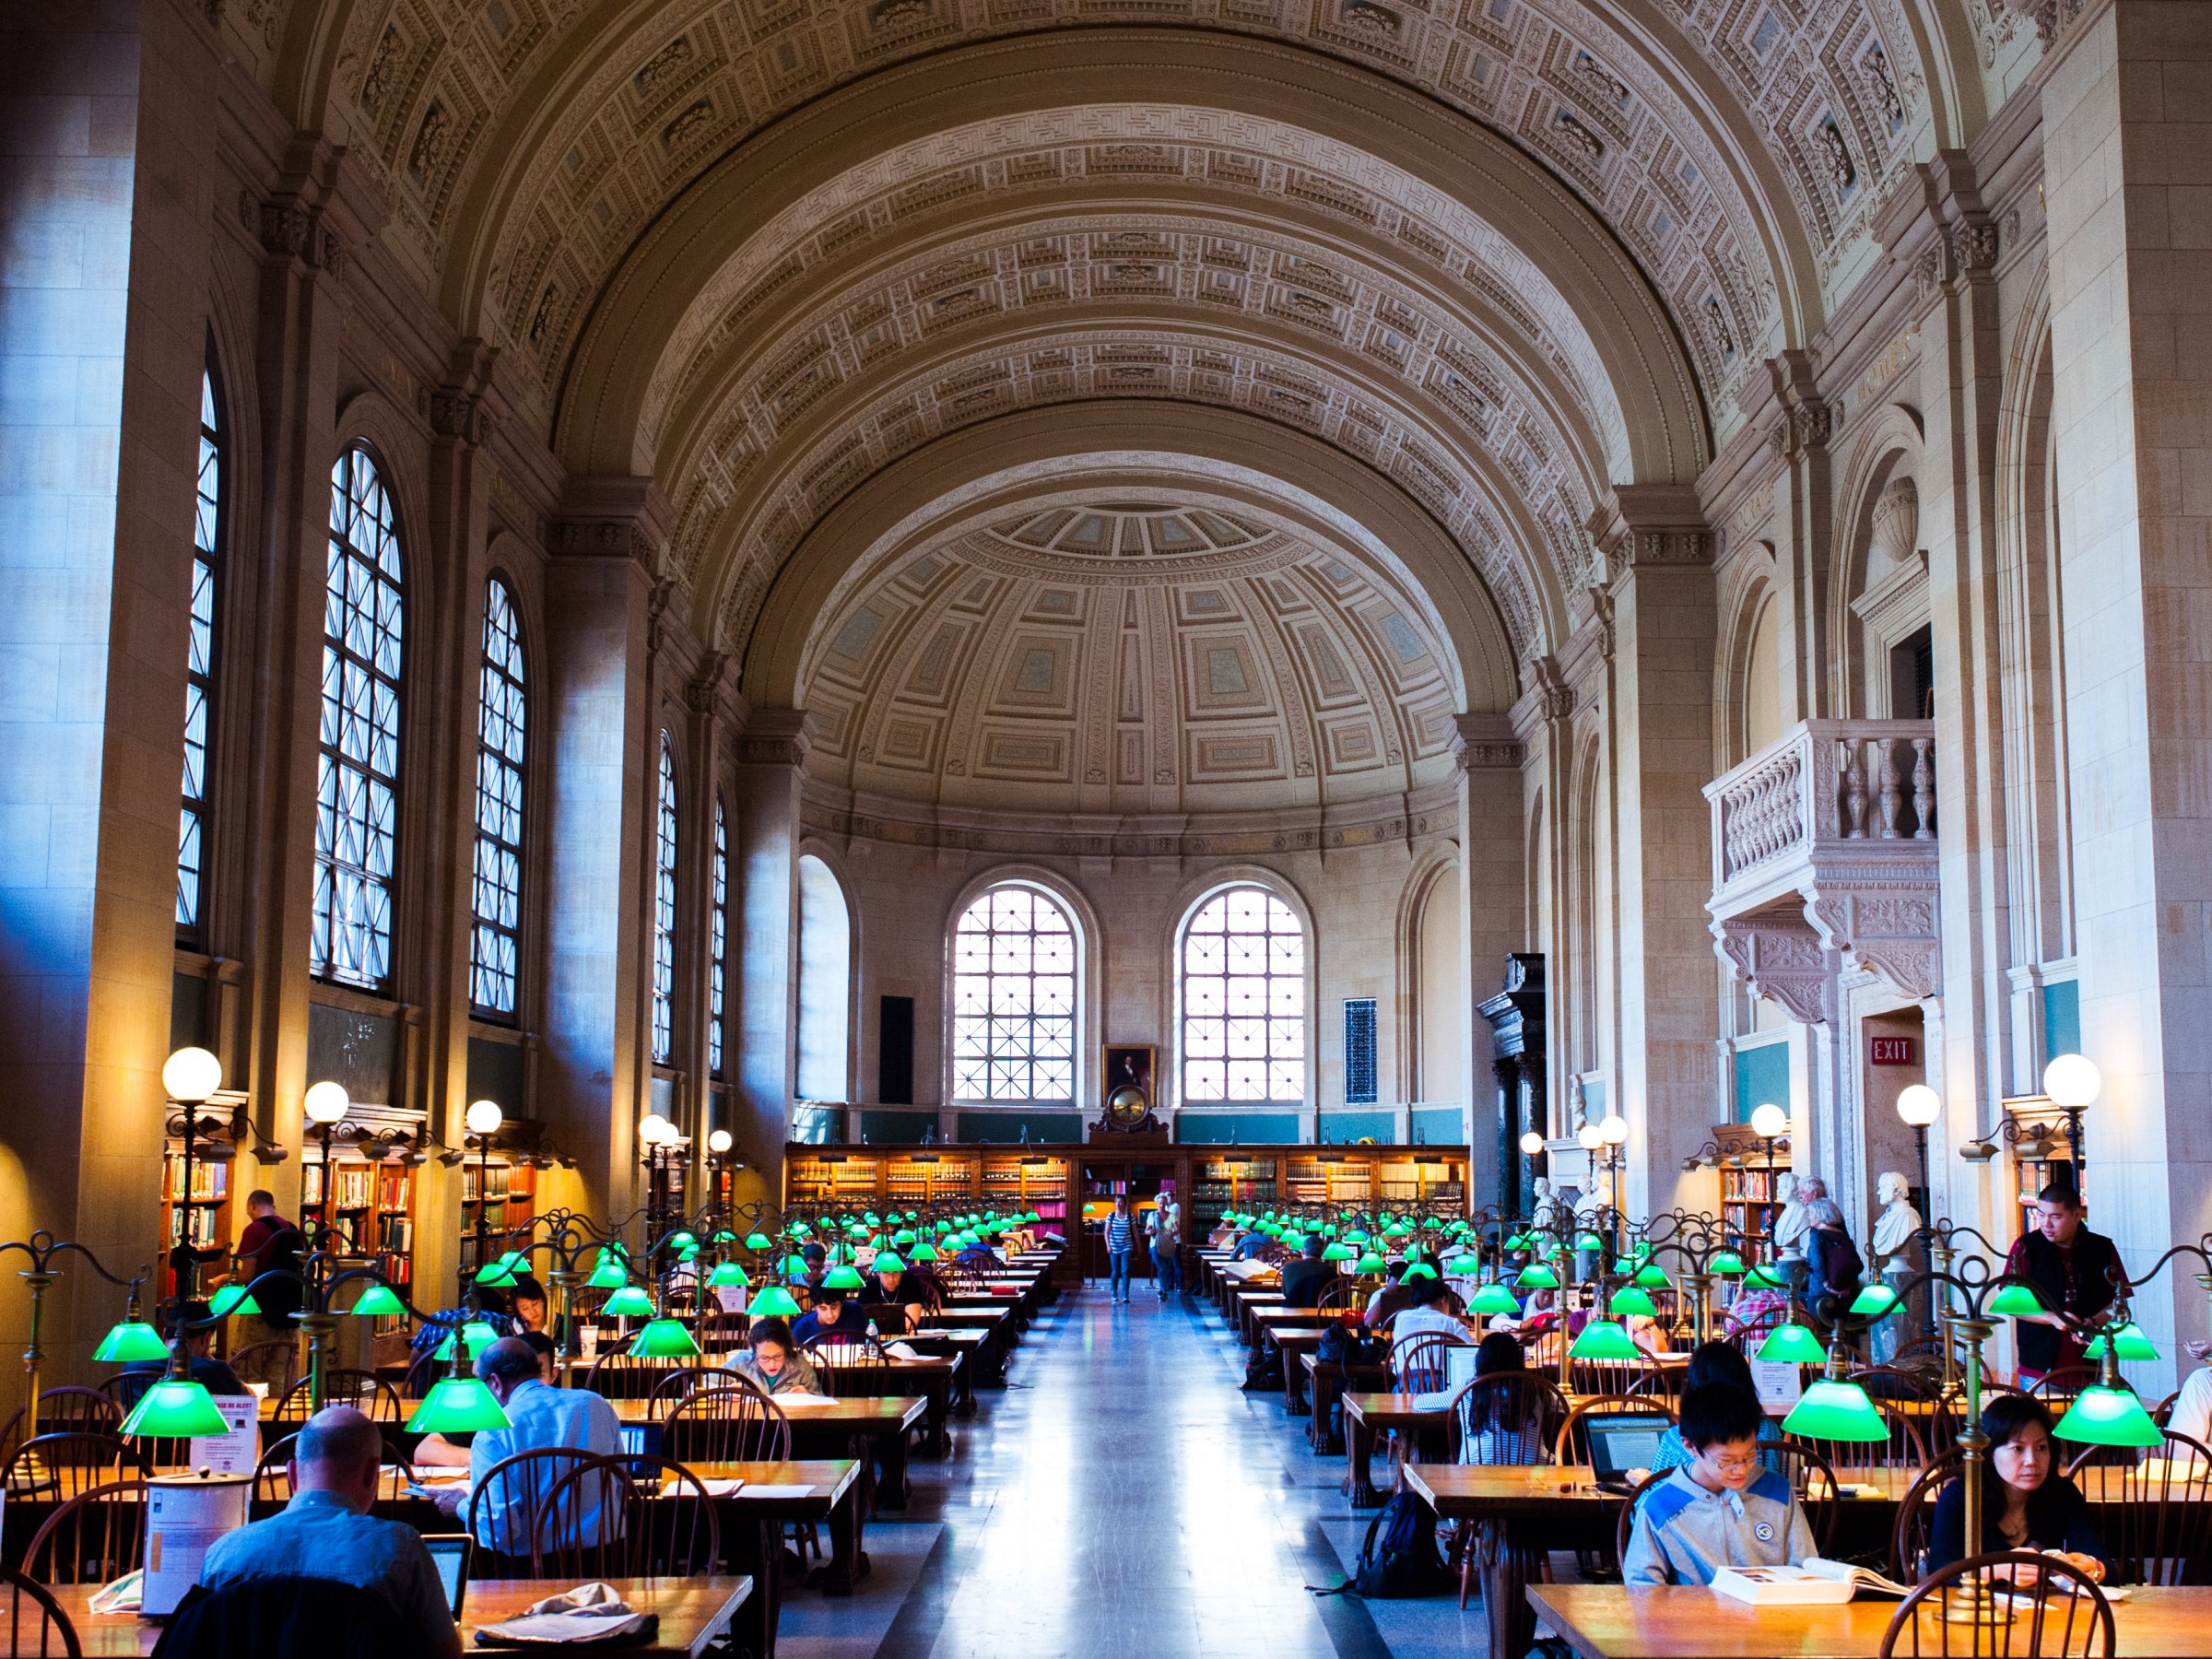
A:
{"x": 539, "y": 1416}
{"x": 327, "y": 1533}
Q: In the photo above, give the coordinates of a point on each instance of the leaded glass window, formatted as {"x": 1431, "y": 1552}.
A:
{"x": 664, "y": 912}
{"x": 502, "y": 714}
{"x": 1244, "y": 1000}
{"x": 199, "y": 664}
{"x": 356, "y": 782}
{"x": 718, "y": 967}
{"x": 1014, "y": 999}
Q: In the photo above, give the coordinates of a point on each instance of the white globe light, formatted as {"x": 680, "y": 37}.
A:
{"x": 719, "y": 1142}
{"x": 325, "y": 1102}
{"x": 1591, "y": 1136}
{"x": 191, "y": 1075}
{"x": 1614, "y": 1131}
{"x": 1770, "y": 1122}
{"x": 1919, "y": 1105}
{"x": 655, "y": 1130}
{"x": 2072, "y": 1081}
{"x": 1532, "y": 1143}
{"x": 484, "y": 1117}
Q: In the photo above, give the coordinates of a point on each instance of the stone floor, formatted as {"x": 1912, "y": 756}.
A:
{"x": 1121, "y": 1499}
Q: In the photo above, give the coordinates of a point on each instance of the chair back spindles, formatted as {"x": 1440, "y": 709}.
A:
{"x": 507, "y": 1510}
{"x": 1418, "y": 1361}
{"x": 1916, "y": 1517}
{"x": 94, "y": 1539}
{"x": 1509, "y": 1417}
{"x": 2159, "y": 1528}
{"x": 732, "y": 1424}
{"x": 654, "y": 1519}
{"x": 78, "y": 1411}
{"x": 33, "y": 1622}
{"x": 62, "y": 1466}
{"x": 1573, "y": 1443}
{"x": 376, "y": 1399}
{"x": 2065, "y": 1618}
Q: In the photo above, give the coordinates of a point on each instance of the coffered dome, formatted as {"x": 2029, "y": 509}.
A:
{"x": 1130, "y": 657}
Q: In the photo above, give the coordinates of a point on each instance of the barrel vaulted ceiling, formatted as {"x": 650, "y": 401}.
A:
{"x": 1505, "y": 253}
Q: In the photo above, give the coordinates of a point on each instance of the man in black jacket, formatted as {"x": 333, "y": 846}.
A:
{"x": 2071, "y": 1269}
{"x": 1306, "y": 1278}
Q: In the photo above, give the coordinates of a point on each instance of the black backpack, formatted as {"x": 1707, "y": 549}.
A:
{"x": 1264, "y": 1369}
{"x": 1399, "y": 1559}
{"x": 1344, "y": 1345}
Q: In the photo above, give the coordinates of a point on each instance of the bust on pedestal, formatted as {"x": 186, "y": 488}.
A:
{"x": 1894, "y": 1230}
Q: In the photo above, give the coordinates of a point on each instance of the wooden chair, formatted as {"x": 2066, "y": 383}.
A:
{"x": 2057, "y": 1388}
{"x": 1526, "y": 1398}
{"x": 2067, "y": 1616}
{"x": 377, "y": 1400}
{"x": 79, "y": 1411}
{"x": 1903, "y": 1450}
{"x": 273, "y": 1487}
{"x": 1339, "y": 1293}
{"x": 1813, "y": 1480}
{"x": 737, "y": 1424}
{"x": 1916, "y": 1517}
{"x": 62, "y": 1466}
{"x": 2163, "y": 1413}
{"x": 620, "y": 1376}
{"x": 95, "y": 1538}
{"x": 1418, "y": 1361}
{"x": 1622, "y": 1528}
{"x": 507, "y": 1510}
{"x": 852, "y": 1365}
{"x": 33, "y": 1622}
{"x": 1641, "y": 1376}
{"x": 2161, "y": 1535}
{"x": 654, "y": 1520}
{"x": 680, "y": 1385}
{"x": 1573, "y": 1443}
{"x": 276, "y": 1362}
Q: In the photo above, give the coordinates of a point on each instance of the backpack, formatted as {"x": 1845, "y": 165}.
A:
{"x": 1347, "y": 1343}
{"x": 1399, "y": 1560}
{"x": 1264, "y": 1371}
{"x": 1840, "y": 1267}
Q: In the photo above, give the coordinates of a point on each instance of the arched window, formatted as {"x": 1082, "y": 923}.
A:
{"x": 357, "y": 779}
{"x": 719, "y": 968}
{"x": 495, "y": 943}
{"x": 1243, "y": 994}
{"x": 199, "y": 665}
{"x": 825, "y": 983}
{"x": 1014, "y": 999}
{"x": 664, "y": 912}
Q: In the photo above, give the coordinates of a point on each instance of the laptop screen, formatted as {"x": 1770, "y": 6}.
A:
{"x": 1623, "y": 1441}
{"x": 449, "y": 1554}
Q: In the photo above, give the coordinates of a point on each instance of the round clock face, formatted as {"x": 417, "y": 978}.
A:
{"x": 1126, "y": 1104}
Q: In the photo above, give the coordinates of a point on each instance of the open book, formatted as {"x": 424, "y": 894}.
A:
{"x": 1816, "y": 1582}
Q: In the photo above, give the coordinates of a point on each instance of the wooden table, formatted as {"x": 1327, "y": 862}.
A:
{"x": 1327, "y": 1384}
{"x": 1606, "y": 1621}
{"x": 865, "y": 1425}
{"x": 692, "y": 1612}
{"x": 1367, "y": 1415}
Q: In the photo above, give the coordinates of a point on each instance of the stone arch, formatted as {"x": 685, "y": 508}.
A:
{"x": 1880, "y": 578}
{"x": 1421, "y": 1001}
{"x": 1748, "y": 604}
{"x": 1090, "y": 955}
{"x": 1192, "y": 894}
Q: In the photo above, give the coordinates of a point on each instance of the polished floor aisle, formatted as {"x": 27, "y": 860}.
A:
{"x": 1121, "y": 1498}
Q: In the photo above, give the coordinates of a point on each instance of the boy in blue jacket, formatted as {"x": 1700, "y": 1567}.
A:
{"x": 1723, "y": 1508}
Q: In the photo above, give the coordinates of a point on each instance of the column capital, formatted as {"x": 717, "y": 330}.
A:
{"x": 1936, "y": 225}
{"x": 1638, "y": 525}
{"x": 1485, "y": 743}
{"x": 774, "y": 737}
{"x": 616, "y": 516}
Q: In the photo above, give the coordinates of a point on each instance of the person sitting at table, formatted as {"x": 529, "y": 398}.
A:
{"x": 1492, "y": 1429}
{"x": 1715, "y": 1363}
{"x": 2191, "y": 1413}
{"x": 828, "y": 1320}
{"x": 1424, "y": 1312}
{"x": 1306, "y": 1278}
{"x": 537, "y": 1416}
{"x": 1720, "y": 1509}
{"x": 327, "y": 1533}
{"x": 895, "y": 1301}
{"x": 1252, "y": 1246}
{"x": 775, "y": 1364}
{"x": 1384, "y": 1305}
{"x": 210, "y": 1373}
{"x": 2026, "y": 1503}
{"x": 817, "y": 1264}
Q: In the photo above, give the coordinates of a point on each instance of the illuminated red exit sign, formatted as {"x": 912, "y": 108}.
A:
{"x": 1893, "y": 1050}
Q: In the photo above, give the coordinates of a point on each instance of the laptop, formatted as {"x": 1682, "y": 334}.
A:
{"x": 1620, "y": 1441}
{"x": 449, "y": 1554}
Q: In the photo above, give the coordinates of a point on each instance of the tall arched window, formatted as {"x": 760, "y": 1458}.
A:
{"x": 1014, "y": 999}
{"x": 718, "y": 969}
{"x": 664, "y": 912}
{"x": 199, "y": 665}
{"x": 825, "y": 983}
{"x": 494, "y": 942}
{"x": 1243, "y": 995}
{"x": 356, "y": 780}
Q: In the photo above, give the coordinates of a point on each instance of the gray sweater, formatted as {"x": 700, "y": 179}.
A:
{"x": 1685, "y": 1534}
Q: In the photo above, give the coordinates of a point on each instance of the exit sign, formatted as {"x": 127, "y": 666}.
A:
{"x": 1893, "y": 1050}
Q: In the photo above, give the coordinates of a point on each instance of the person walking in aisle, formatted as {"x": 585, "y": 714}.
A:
{"x": 1121, "y": 1238}
{"x": 1163, "y": 1225}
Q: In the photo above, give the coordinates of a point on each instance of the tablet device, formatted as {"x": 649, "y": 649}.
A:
{"x": 449, "y": 1554}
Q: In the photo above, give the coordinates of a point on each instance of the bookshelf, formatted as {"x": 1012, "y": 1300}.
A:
{"x": 369, "y": 1207}
{"x": 1748, "y": 1207}
{"x": 200, "y": 1218}
{"x": 1227, "y": 1183}
{"x": 1032, "y": 1181}
{"x": 508, "y": 1202}
{"x": 813, "y": 1176}
{"x": 2040, "y": 1152}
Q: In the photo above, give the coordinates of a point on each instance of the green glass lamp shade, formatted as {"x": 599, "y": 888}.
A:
{"x": 1463, "y": 1263}
{"x": 2128, "y": 1339}
{"x": 610, "y": 1274}
{"x": 1419, "y": 1270}
{"x": 2098, "y": 1417}
{"x": 1603, "y": 1340}
{"x": 1727, "y": 1264}
{"x": 1339, "y": 1251}
{"x": 1651, "y": 1276}
{"x": 1368, "y": 1262}
{"x": 889, "y": 1261}
{"x": 1588, "y": 1240}
{"x": 1536, "y": 1276}
{"x": 457, "y": 1405}
{"x": 379, "y": 1299}
{"x": 1632, "y": 1300}
{"x": 175, "y": 1406}
{"x": 1359, "y": 1235}
{"x": 759, "y": 1241}
{"x": 233, "y": 1298}
{"x": 129, "y": 1343}
{"x": 1397, "y": 1229}
{"x": 1494, "y": 1299}
{"x": 498, "y": 1272}
{"x": 725, "y": 1237}
{"x": 1759, "y": 1278}
{"x": 1873, "y": 1302}
{"x": 1518, "y": 1241}
{"x": 842, "y": 1277}
{"x": 689, "y": 1256}
{"x": 1786, "y": 1342}
{"x": 629, "y": 1302}
{"x": 799, "y": 1229}
{"x": 772, "y": 1301}
{"x": 872, "y": 1219}
{"x": 1838, "y": 1411}
{"x": 727, "y": 1276}
{"x": 663, "y": 1339}
{"x": 2016, "y": 1301}
{"x": 475, "y": 1336}
{"x": 903, "y": 1237}
{"x": 922, "y": 1252}
{"x": 796, "y": 1264}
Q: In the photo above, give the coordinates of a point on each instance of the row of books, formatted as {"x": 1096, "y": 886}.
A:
{"x": 209, "y": 1181}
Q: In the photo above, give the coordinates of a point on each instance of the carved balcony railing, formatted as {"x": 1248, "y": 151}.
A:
{"x": 1824, "y": 856}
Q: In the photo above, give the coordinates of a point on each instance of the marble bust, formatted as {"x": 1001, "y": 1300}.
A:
{"x": 1792, "y": 1224}
{"x": 1894, "y": 1228}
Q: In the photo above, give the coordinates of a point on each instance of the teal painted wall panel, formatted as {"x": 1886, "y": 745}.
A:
{"x": 1762, "y": 1075}
{"x": 1339, "y": 1128}
{"x": 1003, "y": 1127}
{"x": 2062, "y": 1019}
{"x": 1438, "y": 1126}
{"x": 1251, "y": 1129}
{"x": 883, "y": 1128}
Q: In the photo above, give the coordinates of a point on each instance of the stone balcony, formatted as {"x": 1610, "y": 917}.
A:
{"x": 1824, "y": 859}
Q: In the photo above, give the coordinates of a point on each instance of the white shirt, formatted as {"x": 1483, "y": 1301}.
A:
{"x": 2191, "y": 1413}
{"x": 541, "y": 1417}
{"x": 1420, "y": 1322}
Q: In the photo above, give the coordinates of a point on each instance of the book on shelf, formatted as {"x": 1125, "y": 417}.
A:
{"x": 1813, "y": 1583}
{"x": 191, "y": 1224}
{"x": 209, "y": 1180}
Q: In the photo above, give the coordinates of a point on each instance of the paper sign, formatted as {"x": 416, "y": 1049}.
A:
{"x": 1779, "y": 1385}
{"x": 238, "y": 1450}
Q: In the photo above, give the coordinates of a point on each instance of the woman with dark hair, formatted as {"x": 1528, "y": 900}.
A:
{"x": 1494, "y": 1426}
{"x": 2026, "y": 1503}
{"x": 1715, "y": 1362}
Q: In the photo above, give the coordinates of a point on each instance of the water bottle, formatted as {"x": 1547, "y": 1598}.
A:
{"x": 871, "y": 1337}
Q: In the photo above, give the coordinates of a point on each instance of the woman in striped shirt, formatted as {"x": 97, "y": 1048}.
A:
{"x": 1121, "y": 1239}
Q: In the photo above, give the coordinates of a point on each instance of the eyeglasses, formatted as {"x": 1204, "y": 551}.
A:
{"x": 1736, "y": 1465}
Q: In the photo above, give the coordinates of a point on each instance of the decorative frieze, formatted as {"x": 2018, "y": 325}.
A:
{"x": 774, "y": 737}
{"x": 287, "y": 228}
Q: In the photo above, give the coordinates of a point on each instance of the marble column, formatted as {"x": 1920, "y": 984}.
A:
{"x": 771, "y": 751}
{"x": 1491, "y": 861}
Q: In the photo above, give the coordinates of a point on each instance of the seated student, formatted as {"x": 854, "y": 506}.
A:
{"x": 895, "y": 1301}
{"x": 1720, "y": 1509}
{"x": 1384, "y": 1305}
{"x": 537, "y": 1416}
{"x": 446, "y": 1453}
{"x": 326, "y": 1532}
{"x": 1425, "y": 1313}
{"x": 1253, "y": 1246}
{"x": 1306, "y": 1278}
{"x": 831, "y": 1318}
{"x": 775, "y": 1364}
{"x": 206, "y": 1371}
{"x": 2026, "y": 1503}
{"x": 1496, "y": 1429}
{"x": 2191, "y": 1413}
{"x": 1719, "y": 1362}
{"x": 817, "y": 1264}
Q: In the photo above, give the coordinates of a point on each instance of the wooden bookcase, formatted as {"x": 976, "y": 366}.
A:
{"x": 373, "y": 1215}
{"x": 201, "y": 1217}
{"x": 508, "y": 1201}
{"x": 1748, "y": 1207}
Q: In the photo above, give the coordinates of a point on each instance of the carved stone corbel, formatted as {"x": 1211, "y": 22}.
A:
{"x": 775, "y": 738}
{"x": 1780, "y": 955}
{"x": 1890, "y": 934}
